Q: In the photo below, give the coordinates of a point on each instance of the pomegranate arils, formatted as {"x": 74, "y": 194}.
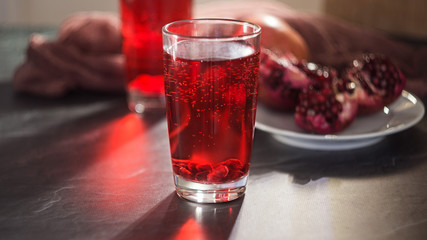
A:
{"x": 280, "y": 81}
{"x": 328, "y": 104}
{"x": 321, "y": 74}
{"x": 233, "y": 163}
{"x": 218, "y": 174}
{"x": 201, "y": 176}
{"x": 228, "y": 170}
{"x": 379, "y": 81}
{"x": 346, "y": 85}
{"x": 319, "y": 112}
{"x": 203, "y": 167}
{"x": 184, "y": 172}
{"x": 325, "y": 101}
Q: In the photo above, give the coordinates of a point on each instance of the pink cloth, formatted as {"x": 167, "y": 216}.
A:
{"x": 85, "y": 55}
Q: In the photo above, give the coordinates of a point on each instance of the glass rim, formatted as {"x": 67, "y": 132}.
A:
{"x": 257, "y": 29}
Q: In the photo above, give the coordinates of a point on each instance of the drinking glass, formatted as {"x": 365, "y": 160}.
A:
{"x": 142, "y": 22}
{"x": 211, "y": 70}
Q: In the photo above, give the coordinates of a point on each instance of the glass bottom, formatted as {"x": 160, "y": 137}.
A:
{"x": 210, "y": 192}
{"x": 141, "y": 103}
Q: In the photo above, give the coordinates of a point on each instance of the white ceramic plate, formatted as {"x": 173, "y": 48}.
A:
{"x": 405, "y": 112}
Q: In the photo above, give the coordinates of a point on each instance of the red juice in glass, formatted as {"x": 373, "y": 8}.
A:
{"x": 142, "y": 22}
{"x": 211, "y": 104}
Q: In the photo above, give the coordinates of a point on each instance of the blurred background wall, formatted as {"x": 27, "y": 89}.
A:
{"x": 398, "y": 17}
{"x": 47, "y": 12}
{"x": 52, "y": 12}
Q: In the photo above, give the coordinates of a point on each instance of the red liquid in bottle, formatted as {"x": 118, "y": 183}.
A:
{"x": 142, "y": 21}
{"x": 211, "y": 105}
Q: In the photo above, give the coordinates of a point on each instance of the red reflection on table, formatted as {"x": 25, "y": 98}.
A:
{"x": 190, "y": 230}
{"x": 120, "y": 134}
{"x": 114, "y": 181}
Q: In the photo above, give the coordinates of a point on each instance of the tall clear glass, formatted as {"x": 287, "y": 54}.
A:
{"x": 211, "y": 70}
{"x": 142, "y": 22}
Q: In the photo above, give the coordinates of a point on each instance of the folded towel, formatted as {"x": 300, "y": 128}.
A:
{"x": 85, "y": 55}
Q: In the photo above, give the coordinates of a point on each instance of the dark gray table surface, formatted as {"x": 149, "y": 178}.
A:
{"x": 83, "y": 167}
